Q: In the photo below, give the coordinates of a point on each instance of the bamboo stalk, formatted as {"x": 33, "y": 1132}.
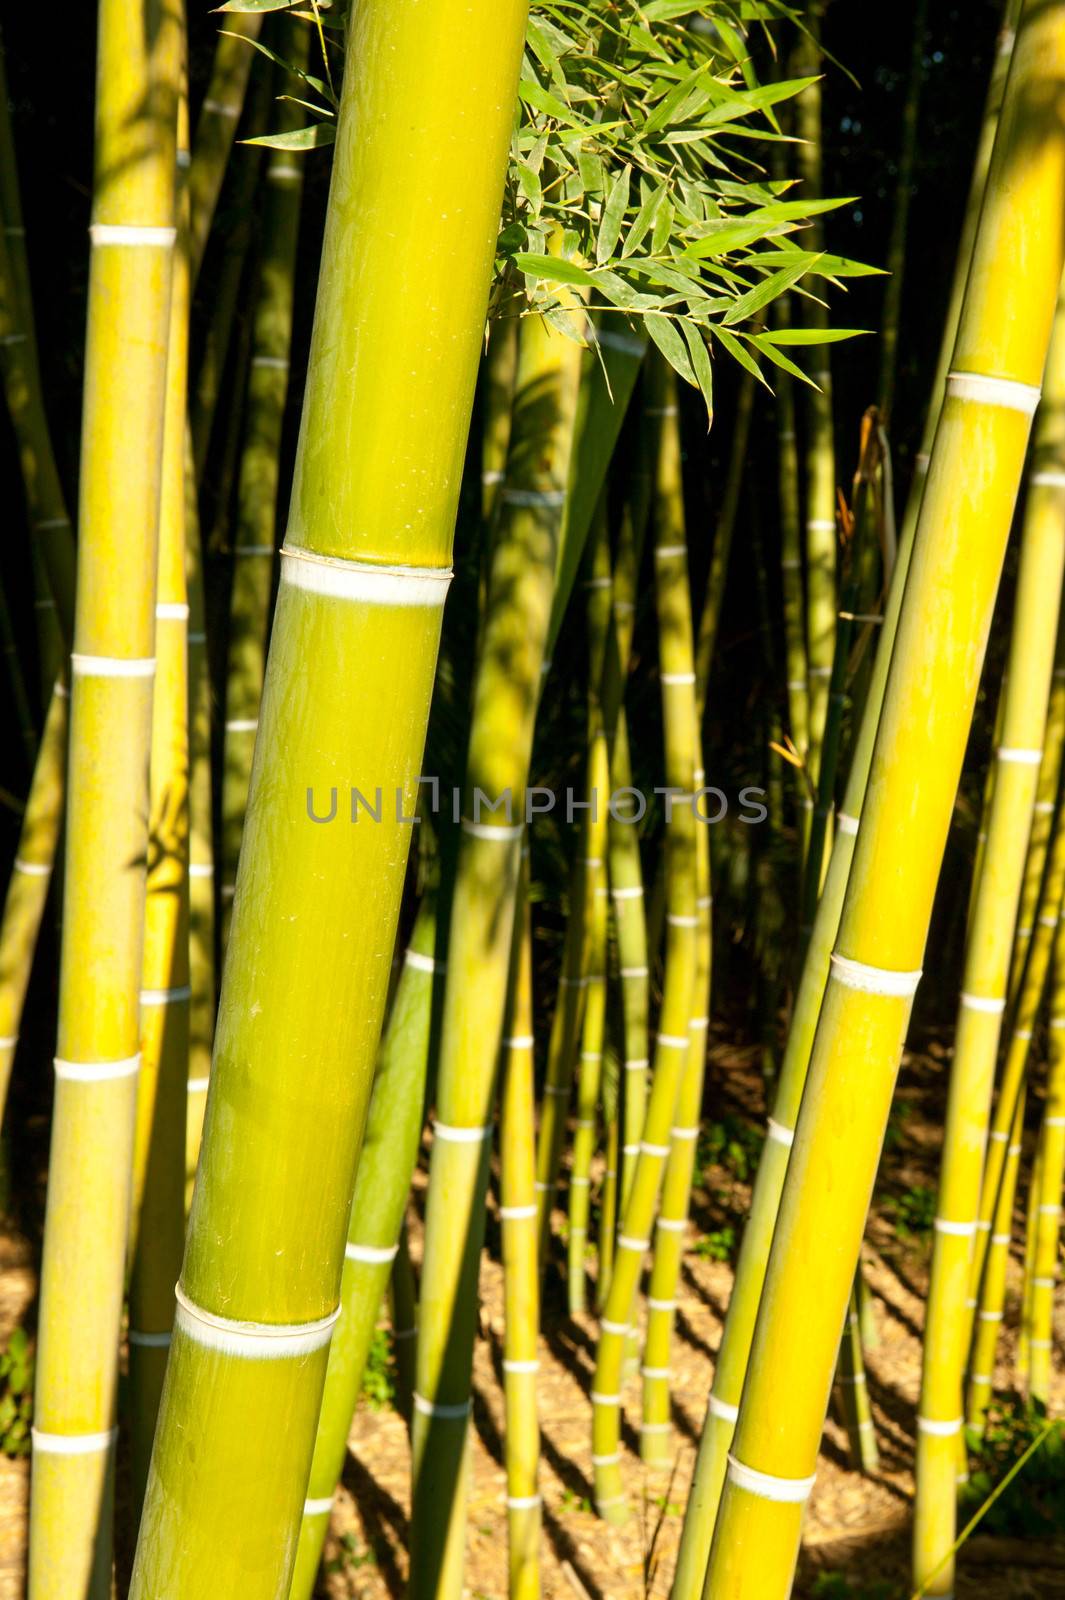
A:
{"x": 521, "y": 1275}
{"x": 382, "y": 1183}
{"x": 505, "y": 696}
{"x": 255, "y": 540}
{"x": 202, "y": 1001}
{"x": 366, "y": 567}
{"x": 956, "y": 1250}
{"x": 676, "y": 655}
{"x": 993, "y": 1283}
{"x": 962, "y": 532}
{"x": 1039, "y": 840}
{"x": 656, "y": 1428}
{"x": 723, "y": 532}
{"x": 157, "y": 1219}
{"x": 1047, "y": 1208}
{"x": 27, "y": 892}
{"x": 132, "y": 237}
{"x": 216, "y": 126}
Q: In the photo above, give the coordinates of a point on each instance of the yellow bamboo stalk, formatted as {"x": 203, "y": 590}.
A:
{"x": 1047, "y": 1208}
{"x": 956, "y": 1252}
{"x": 993, "y": 1283}
{"x": 157, "y": 1222}
{"x": 132, "y": 236}
{"x": 961, "y": 538}
{"x": 521, "y": 1273}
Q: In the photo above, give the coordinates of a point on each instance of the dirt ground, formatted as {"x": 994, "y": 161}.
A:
{"x": 857, "y": 1526}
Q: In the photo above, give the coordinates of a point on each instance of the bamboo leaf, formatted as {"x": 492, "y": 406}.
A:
{"x": 614, "y": 209}
{"x": 812, "y": 335}
{"x": 672, "y": 346}
{"x": 643, "y": 221}
{"x": 321, "y": 133}
{"x": 700, "y": 359}
{"x": 764, "y": 292}
{"x": 736, "y": 350}
{"x": 554, "y": 269}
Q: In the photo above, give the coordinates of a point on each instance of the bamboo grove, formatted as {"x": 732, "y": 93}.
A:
{"x": 520, "y": 706}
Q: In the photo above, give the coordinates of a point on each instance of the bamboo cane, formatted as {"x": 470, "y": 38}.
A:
{"x": 1043, "y": 814}
{"x": 723, "y": 1406}
{"x": 157, "y": 1220}
{"x": 369, "y": 538}
{"x": 521, "y": 1276}
{"x": 201, "y": 838}
{"x": 983, "y": 997}
{"x": 791, "y": 578}
{"x": 820, "y": 502}
{"x": 656, "y": 1447}
{"x": 216, "y": 126}
{"x": 132, "y": 237}
{"x": 390, "y": 1148}
{"x": 505, "y": 696}
{"x": 962, "y": 532}
{"x": 1048, "y": 1194}
{"x": 27, "y": 892}
{"x": 255, "y": 541}
{"x": 993, "y": 1283}
{"x": 723, "y": 532}
{"x": 676, "y": 654}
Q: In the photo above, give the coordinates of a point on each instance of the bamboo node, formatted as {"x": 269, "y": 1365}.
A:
{"x": 779, "y": 1133}
{"x": 165, "y": 997}
{"x": 96, "y": 1071}
{"x": 445, "y": 1130}
{"x": 722, "y": 1409}
{"x": 937, "y": 1428}
{"x": 318, "y": 1508}
{"x": 983, "y": 1002}
{"x": 84, "y": 666}
{"x": 985, "y": 390}
{"x": 522, "y": 1502}
{"x": 371, "y": 1254}
{"x": 265, "y": 1340}
{"x": 150, "y": 1341}
{"x": 874, "y": 980}
{"x": 1025, "y": 758}
{"x": 768, "y": 1487}
{"x": 961, "y": 1230}
{"x": 72, "y": 1444}
{"x": 121, "y": 233}
{"x": 341, "y": 578}
{"x": 33, "y": 869}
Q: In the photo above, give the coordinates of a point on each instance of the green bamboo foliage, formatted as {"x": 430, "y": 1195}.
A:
{"x": 255, "y": 542}
{"x": 364, "y": 572}
{"x": 97, "y": 1060}
{"x": 27, "y": 893}
{"x": 521, "y": 1275}
{"x": 676, "y": 655}
{"x": 505, "y": 697}
{"x": 158, "y": 1213}
{"x": 956, "y": 1249}
{"x": 216, "y": 126}
{"x": 963, "y": 528}
{"x": 389, "y": 1151}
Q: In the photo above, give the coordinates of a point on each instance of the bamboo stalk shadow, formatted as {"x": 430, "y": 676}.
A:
{"x": 379, "y": 1511}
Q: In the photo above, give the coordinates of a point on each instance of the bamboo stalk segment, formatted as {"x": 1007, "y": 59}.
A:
{"x": 365, "y": 568}
{"x": 113, "y": 666}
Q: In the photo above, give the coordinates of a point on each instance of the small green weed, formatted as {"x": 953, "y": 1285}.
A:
{"x": 351, "y": 1557}
{"x": 16, "y": 1395}
{"x": 720, "y": 1245}
{"x": 914, "y": 1213}
{"x": 379, "y": 1377}
{"x": 1033, "y": 1505}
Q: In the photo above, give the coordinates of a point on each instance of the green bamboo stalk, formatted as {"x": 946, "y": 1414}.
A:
{"x": 820, "y": 504}
{"x": 403, "y": 1305}
{"x": 593, "y": 1034}
{"x": 896, "y": 253}
{"x": 20, "y": 699}
{"x": 723, "y": 531}
{"x": 656, "y": 1428}
{"x": 382, "y": 1183}
{"x": 1042, "y": 819}
{"x": 956, "y": 1251}
{"x": 521, "y": 1274}
{"x": 216, "y": 126}
{"x": 255, "y": 536}
{"x": 500, "y": 370}
{"x": 923, "y": 728}
{"x": 506, "y": 691}
{"x": 676, "y": 655}
{"x": 854, "y": 1390}
{"x": 53, "y": 542}
{"x": 993, "y": 1283}
{"x": 27, "y": 891}
{"x": 791, "y": 580}
{"x": 368, "y": 547}
{"x": 201, "y": 837}
{"x": 132, "y": 237}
